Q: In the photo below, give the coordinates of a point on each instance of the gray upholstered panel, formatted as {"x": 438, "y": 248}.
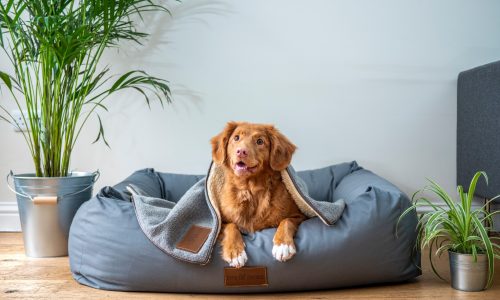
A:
{"x": 478, "y": 127}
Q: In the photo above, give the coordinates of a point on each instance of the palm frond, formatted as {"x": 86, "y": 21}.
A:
{"x": 55, "y": 48}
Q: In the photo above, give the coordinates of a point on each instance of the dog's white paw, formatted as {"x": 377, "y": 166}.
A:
{"x": 283, "y": 252}
{"x": 238, "y": 261}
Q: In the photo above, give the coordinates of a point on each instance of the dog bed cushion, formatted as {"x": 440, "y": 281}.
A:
{"x": 108, "y": 249}
{"x": 167, "y": 224}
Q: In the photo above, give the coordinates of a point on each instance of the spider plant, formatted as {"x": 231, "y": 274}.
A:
{"x": 57, "y": 82}
{"x": 455, "y": 226}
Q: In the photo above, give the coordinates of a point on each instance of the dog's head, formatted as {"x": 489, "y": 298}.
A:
{"x": 248, "y": 149}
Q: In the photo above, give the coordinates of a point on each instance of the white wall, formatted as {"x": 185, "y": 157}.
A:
{"x": 372, "y": 81}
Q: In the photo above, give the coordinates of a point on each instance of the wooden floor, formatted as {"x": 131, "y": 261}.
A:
{"x": 50, "y": 278}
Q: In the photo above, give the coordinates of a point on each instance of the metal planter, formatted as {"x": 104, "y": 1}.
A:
{"x": 47, "y": 206}
{"x": 466, "y": 274}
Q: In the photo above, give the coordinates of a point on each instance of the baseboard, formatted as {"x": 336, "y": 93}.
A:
{"x": 476, "y": 204}
{"x": 9, "y": 217}
{"x": 428, "y": 208}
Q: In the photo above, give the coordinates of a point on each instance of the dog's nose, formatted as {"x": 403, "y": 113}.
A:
{"x": 241, "y": 152}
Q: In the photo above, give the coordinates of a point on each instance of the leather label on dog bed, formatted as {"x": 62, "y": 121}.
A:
{"x": 194, "y": 239}
{"x": 246, "y": 276}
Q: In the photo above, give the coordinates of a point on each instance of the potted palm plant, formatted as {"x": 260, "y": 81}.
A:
{"x": 460, "y": 230}
{"x": 57, "y": 83}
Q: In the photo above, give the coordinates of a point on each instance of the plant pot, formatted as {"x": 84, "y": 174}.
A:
{"x": 466, "y": 274}
{"x": 47, "y": 206}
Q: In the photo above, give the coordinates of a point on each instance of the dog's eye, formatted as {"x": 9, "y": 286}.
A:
{"x": 260, "y": 141}
{"x": 236, "y": 137}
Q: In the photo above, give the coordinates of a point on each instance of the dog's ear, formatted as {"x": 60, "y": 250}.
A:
{"x": 281, "y": 149}
{"x": 219, "y": 142}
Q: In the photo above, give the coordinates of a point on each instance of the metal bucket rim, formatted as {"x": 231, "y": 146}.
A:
{"x": 32, "y": 176}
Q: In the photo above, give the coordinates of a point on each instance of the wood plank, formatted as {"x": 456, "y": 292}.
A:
{"x": 50, "y": 278}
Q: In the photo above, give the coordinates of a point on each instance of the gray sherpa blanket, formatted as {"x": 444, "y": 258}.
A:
{"x": 167, "y": 224}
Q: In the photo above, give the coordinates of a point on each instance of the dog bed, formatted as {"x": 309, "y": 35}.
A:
{"x": 110, "y": 250}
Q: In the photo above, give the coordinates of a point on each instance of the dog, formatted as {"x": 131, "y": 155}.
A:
{"x": 253, "y": 196}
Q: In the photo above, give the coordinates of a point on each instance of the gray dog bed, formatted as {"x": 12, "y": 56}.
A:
{"x": 109, "y": 250}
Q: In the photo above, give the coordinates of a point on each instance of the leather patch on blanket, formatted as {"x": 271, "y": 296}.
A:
{"x": 194, "y": 239}
{"x": 246, "y": 276}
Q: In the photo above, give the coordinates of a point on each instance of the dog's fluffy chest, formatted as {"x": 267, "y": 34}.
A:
{"x": 251, "y": 206}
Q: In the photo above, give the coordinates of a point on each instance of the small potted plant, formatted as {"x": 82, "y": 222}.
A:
{"x": 460, "y": 230}
{"x": 58, "y": 84}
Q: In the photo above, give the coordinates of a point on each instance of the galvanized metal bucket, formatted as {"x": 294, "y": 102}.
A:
{"x": 466, "y": 274}
{"x": 47, "y": 206}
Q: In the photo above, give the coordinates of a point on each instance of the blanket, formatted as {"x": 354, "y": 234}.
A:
{"x": 170, "y": 225}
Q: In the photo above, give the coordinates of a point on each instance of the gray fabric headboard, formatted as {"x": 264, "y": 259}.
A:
{"x": 478, "y": 127}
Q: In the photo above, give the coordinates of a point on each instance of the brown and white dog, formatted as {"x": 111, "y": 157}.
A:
{"x": 253, "y": 196}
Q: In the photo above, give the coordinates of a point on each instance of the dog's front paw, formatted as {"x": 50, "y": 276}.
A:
{"x": 235, "y": 258}
{"x": 283, "y": 252}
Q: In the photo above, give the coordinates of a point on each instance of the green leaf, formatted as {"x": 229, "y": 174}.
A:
{"x": 472, "y": 187}
{"x": 9, "y": 5}
{"x": 140, "y": 80}
{"x": 101, "y": 133}
{"x": 120, "y": 80}
{"x": 19, "y": 11}
{"x": 8, "y": 121}
{"x": 462, "y": 196}
{"x": 488, "y": 247}
{"x": 6, "y": 79}
{"x": 488, "y": 202}
{"x": 98, "y": 104}
{"x": 442, "y": 248}
{"x": 2, "y": 43}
